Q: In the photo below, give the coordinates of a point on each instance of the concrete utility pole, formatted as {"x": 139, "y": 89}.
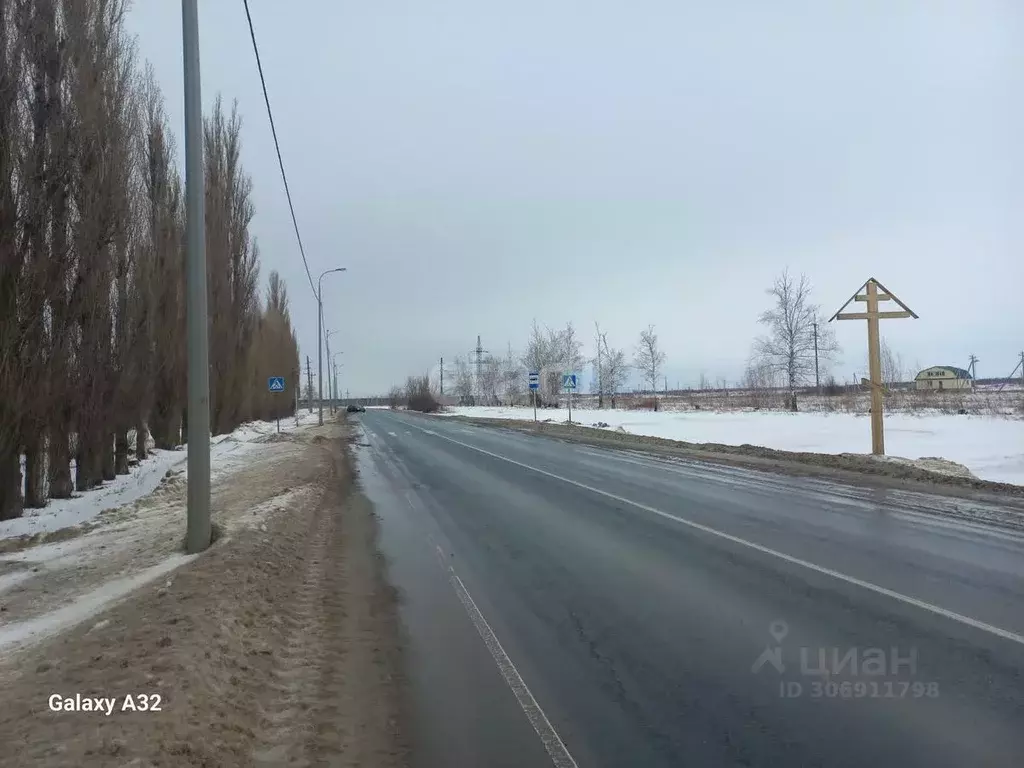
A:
{"x": 1020, "y": 364}
{"x": 331, "y": 392}
{"x": 817, "y": 378}
{"x": 309, "y": 383}
{"x": 319, "y": 337}
{"x": 442, "y": 377}
{"x": 327, "y": 345}
{"x": 334, "y": 362}
{"x": 197, "y": 537}
{"x": 972, "y": 367}
{"x": 871, "y": 297}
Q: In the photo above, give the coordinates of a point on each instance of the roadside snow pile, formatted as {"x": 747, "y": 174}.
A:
{"x": 81, "y": 508}
{"x": 226, "y": 452}
{"x": 51, "y": 582}
{"x": 87, "y": 604}
{"x": 931, "y": 464}
{"x": 991, "y": 448}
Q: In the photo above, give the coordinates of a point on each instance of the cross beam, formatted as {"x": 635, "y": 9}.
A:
{"x": 868, "y": 316}
{"x": 874, "y": 292}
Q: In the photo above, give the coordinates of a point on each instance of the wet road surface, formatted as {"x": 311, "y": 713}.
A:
{"x": 570, "y": 605}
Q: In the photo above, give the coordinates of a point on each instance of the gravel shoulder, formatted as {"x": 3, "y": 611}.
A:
{"x": 279, "y": 646}
{"x": 846, "y": 468}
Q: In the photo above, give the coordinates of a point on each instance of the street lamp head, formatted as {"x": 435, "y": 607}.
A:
{"x": 327, "y": 272}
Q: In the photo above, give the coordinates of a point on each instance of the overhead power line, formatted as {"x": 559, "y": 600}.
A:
{"x": 277, "y": 146}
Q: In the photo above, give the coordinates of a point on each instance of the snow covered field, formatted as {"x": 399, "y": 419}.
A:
{"x": 226, "y": 452}
{"x": 991, "y": 447}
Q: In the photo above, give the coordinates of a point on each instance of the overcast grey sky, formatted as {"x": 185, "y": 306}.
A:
{"x": 478, "y": 165}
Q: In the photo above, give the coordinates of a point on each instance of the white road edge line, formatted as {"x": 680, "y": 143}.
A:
{"x": 937, "y": 610}
{"x": 553, "y": 743}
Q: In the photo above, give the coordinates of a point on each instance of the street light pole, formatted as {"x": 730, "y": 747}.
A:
{"x": 334, "y": 361}
{"x": 319, "y": 336}
{"x": 331, "y": 392}
{"x": 198, "y": 533}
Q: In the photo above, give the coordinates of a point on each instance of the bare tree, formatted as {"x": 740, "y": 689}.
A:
{"x": 552, "y": 353}
{"x": 569, "y": 348}
{"x": 38, "y": 26}
{"x": 616, "y": 369}
{"x": 275, "y": 352}
{"x": 760, "y": 380}
{"x": 569, "y": 353}
{"x": 12, "y": 135}
{"x": 649, "y": 359}
{"x": 91, "y": 281}
{"x": 160, "y": 313}
{"x": 789, "y": 347}
{"x": 610, "y": 367}
{"x": 491, "y": 379}
{"x": 420, "y": 396}
{"x": 512, "y": 376}
{"x": 540, "y": 357}
{"x": 102, "y": 88}
{"x": 462, "y": 385}
{"x": 395, "y": 396}
{"x": 893, "y": 368}
{"x": 233, "y": 267}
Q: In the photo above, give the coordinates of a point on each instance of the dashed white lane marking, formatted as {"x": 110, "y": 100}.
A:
{"x": 553, "y": 743}
{"x": 907, "y": 599}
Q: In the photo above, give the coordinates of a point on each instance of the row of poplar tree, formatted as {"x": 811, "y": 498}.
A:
{"x": 92, "y": 291}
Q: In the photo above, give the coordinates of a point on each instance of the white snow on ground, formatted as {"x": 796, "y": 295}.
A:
{"x": 62, "y": 513}
{"x": 11, "y": 580}
{"x": 226, "y": 452}
{"x": 87, "y": 604}
{"x": 991, "y": 447}
{"x": 72, "y": 579}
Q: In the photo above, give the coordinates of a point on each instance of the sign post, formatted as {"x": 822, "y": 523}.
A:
{"x": 874, "y": 292}
{"x": 534, "y": 386}
{"x": 276, "y": 384}
{"x": 569, "y": 385}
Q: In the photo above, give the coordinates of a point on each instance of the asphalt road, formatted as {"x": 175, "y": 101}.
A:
{"x": 570, "y": 605}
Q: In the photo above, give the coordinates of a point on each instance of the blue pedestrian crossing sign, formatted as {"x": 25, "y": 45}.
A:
{"x": 534, "y": 380}
{"x": 569, "y": 381}
{"x": 275, "y": 384}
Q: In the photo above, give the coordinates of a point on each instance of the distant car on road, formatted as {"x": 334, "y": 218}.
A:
{"x": 356, "y": 409}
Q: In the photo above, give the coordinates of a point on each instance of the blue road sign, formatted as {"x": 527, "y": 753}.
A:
{"x": 275, "y": 384}
{"x": 534, "y": 380}
{"x": 569, "y": 381}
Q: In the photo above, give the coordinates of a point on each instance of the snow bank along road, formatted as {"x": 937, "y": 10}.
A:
{"x": 278, "y": 646}
{"x": 991, "y": 447}
{"x": 575, "y": 606}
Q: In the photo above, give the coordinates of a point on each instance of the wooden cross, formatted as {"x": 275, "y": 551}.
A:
{"x": 872, "y": 296}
